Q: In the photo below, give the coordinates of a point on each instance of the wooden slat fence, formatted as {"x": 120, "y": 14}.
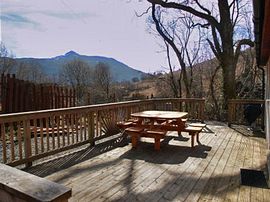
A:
{"x": 29, "y": 136}
{"x": 20, "y": 96}
{"x": 236, "y": 111}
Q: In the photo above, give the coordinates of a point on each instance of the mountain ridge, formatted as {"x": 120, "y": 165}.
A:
{"x": 52, "y": 66}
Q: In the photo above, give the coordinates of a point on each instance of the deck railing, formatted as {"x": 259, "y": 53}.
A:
{"x": 29, "y": 136}
{"x": 236, "y": 109}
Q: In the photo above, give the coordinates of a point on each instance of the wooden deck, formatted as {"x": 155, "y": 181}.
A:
{"x": 209, "y": 172}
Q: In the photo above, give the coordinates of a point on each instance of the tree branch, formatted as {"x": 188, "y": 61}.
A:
{"x": 203, "y": 8}
{"x": 145, "y": 12}
{"x": 189, "y": 9}
{"x": 216, "y": 42}
{"x": 239, "y": 44}
{"x": 213, "y": 49}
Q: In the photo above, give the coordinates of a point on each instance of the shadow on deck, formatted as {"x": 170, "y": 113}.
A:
{"x": 113, "y": 171}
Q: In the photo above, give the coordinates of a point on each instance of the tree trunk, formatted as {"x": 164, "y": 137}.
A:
{"x": 229, "y": 87}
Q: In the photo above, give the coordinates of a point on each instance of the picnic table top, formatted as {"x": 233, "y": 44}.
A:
{"x": 154, "y": 114}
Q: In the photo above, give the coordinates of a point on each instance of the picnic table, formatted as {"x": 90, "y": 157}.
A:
{"x": 155, "y": 124}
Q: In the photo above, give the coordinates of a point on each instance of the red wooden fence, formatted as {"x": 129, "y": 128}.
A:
{"x": 19, "y": 96}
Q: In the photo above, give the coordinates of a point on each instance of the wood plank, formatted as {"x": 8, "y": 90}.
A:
{"x": 245, "y": 191}
{"x": 224, "y": 186}
{"x": 232, "y": 194}
{"x": 4, "y": 145}
{"x": 203, "y": 171}
{"x": 256, "y": 193}
{"x": 11, "y": 140}
{"x": 125, "y": 174}
{"x": 29, "y": 187}
{"x": 205, "y": 190}
{"x": 35, "y": 136}
{"x": 164, "y": 181}
{"x": 119, "y": 171}
{"x": 19, "y": 136}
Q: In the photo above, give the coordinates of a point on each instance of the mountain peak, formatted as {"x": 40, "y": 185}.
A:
{"x": 71, "y": 53}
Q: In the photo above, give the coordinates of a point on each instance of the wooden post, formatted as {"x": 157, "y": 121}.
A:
{"x": 27, "y": 141}
{"x": 4, "y": 146}
{"x": 91, "y": 128}
{"x": 26, "y": 98}
{"x": 3, "y": 93}
{"x": 16, "y": 93}
{"x": 34, "y": 99}
{"x": 22, "y": 87}
{"x": 10, "y": 93}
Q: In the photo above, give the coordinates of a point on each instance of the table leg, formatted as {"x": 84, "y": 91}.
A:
{"x": 134, "y": 141}
{"x": 157, "y": 144}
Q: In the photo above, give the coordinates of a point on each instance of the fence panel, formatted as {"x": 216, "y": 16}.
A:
{"x": 20, "y": 96}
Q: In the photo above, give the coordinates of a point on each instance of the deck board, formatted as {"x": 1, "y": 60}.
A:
{"x": 208, "y": 172}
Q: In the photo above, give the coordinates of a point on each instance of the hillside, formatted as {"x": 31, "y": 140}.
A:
{"x": 52, "y": 66}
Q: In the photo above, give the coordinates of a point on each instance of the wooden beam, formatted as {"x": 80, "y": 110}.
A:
{"x": 265, "y": 43}
{"x": 18, "y": 185}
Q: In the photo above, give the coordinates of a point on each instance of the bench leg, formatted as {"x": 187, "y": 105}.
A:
{"x": 197, "y": 138}
{"x": 157, "y": 144}
{"x": 134, "y": 141}
{"x": 192, "y": 140}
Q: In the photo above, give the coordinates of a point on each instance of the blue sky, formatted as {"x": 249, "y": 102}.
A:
{"x": 47, "y": 28}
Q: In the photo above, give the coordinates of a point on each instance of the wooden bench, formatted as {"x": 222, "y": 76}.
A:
{"x": 157, "y": 134}
{"x": 174, "y": 122}
{"x": 137, "y": 132}
{"x": 202, "y": 125}
{"x": 193, "y": 131}
{"x": 124, "y": 124}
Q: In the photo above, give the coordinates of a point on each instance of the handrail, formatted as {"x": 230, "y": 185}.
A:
{"x": 236, "y": 111}
{"x": 14, "y": 186}
{"x": 29, "y": 136}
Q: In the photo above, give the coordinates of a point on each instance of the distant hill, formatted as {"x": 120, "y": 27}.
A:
{"x": 52, "y": 66}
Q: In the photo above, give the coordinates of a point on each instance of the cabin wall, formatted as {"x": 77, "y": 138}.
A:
{"x": 267, "y": 114}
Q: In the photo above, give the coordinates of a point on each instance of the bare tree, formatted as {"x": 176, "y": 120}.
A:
{"x": 30, "y": 72}
{"x": 222, "y": 17}
{"x": 177, "y": 33}
{"x": 79, "y": 75}
{"x": 6, "y": 60}
{"x": 103, "y": 80}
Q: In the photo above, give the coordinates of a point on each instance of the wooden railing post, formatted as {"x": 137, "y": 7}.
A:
{"x": 27, "y": 141}
{"x": 229, "y": 113}
{"x": 201, "y": 110}
{"x": 91, "y": 128}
